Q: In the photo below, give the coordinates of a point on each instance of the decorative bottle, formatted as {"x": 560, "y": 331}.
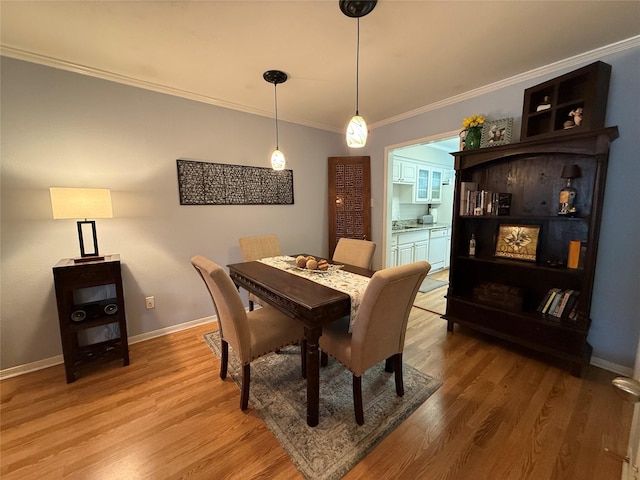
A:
{"x": 472, "y": 246}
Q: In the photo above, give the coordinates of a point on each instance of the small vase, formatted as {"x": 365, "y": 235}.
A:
{"x": 472, "y": 139}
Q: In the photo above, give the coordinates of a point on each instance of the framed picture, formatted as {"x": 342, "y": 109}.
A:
{"x": 496, "y": 132}
{"x": 518, "y": 242}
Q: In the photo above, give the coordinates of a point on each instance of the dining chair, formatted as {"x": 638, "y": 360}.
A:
{"x": 379, "y": 330}
{"x": 354, "y": 252}
{"x": 250, "y": 334}
{"x": 255, "y": 248}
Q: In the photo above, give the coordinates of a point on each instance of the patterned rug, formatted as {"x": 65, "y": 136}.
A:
{"x": 337, "y": 444}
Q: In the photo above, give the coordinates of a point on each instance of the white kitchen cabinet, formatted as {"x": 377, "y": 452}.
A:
{"x": 413, "y": 246}
{"x": 404, "y": 172}
{"x": 428, "y": 187}
{"x": 437, "y": 248}
{"x": 421, "y": 251}
{"x": 392, "y": 253}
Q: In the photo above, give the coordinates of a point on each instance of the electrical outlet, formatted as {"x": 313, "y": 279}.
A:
{"x": 150, "y": 302}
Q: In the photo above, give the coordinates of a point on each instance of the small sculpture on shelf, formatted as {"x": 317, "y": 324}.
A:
{"x": 577, "y": 115}
{"x": 545, "y": 105}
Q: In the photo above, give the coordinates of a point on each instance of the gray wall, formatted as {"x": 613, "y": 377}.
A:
{"x": 68, "y": 130}
{"x": 64, "y": 129}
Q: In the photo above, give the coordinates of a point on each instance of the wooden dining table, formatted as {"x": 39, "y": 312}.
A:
{"x": 312, "y": 304}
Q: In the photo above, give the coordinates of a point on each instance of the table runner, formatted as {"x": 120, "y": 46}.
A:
{"x": 352, "y": 284}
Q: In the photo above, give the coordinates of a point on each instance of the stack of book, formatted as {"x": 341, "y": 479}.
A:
{"x": 482, "y": 202}
{"x": 560, "y": 303}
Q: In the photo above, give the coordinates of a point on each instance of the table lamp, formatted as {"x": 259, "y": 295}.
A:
{"x": 82, "y": 203}
{"x": 567, "y": 200}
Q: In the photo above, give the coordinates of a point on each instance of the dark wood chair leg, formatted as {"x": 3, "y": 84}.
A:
{"x": 250, "y": 306}
{"x": 303, "y": 358}
{"x": 388, "y": 364}
{"x": 357, "y": 399}
{"x": 398, "y": 368}
{"x": 246, "y": 380}
{"x": 224, "y": 361}
{"x": 324, "y": 359}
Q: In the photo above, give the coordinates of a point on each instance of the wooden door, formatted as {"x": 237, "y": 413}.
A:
{"x": 349, "y": 199}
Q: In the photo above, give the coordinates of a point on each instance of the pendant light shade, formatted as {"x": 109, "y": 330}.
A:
{"x": 357, "y": 132}
{"x": 278, "y": 161}
{"x": 357, "y": 128}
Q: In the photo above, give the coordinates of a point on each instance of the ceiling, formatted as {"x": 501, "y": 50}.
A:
{"x": 412, "y": 53}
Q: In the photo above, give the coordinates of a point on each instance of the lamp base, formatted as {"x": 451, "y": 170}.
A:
{"x": 91, "y": 258}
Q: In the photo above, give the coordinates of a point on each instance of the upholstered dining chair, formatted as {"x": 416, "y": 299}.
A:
{"x": 255, "y": 248}
{"x": 379, "y": 330}
{"x": 354, "y": 252}
{"x": 250, "y": 334}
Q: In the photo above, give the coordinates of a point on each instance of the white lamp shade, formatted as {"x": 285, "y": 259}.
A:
{"x": 357, "y": 132}
{"x": 277, "y": 160}
{"x": 81, "y": 203}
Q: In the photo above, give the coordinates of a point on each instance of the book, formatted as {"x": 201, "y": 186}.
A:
{"x": 563, "y": 302}
{"x": 554, "y": 302}
{"x": 465, "y": 193}
{"x": 552, "y": 296}
{"x": 570, "y": 306}
{"x": 544, "y": 300}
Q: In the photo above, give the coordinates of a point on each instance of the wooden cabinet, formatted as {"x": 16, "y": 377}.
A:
{"x": 530, "y": 171}
{"x": 90, "y": 295}
{"x": 548, "y": 106}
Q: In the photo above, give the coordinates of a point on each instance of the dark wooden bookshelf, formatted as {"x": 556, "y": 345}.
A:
{"x": 530, "y": 171}
{"x": 585, "y": 88}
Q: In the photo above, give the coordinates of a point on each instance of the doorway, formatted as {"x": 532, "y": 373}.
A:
{"x": 419, "y": 210}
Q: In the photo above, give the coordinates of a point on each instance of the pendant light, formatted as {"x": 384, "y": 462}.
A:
{"x": 357, "y": 128}
{"x": 276, "y": 77}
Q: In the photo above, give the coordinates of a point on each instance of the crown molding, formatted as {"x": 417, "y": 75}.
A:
{"x": 574, "y": 61}
{"x": 579, "y": 59}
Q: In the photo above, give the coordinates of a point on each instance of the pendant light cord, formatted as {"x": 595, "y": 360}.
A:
{"x": 357, "y": 62}
{"x": 275, "y": 92}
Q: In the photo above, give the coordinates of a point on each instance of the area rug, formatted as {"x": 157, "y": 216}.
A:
{"x": 328, "y": 451}
{"x": 429, "y": 284}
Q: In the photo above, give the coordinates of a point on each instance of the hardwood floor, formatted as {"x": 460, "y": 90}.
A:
{"x": 501, "y": 413}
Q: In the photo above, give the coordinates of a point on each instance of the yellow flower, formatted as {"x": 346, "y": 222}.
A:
{"x": 472, "y": 121}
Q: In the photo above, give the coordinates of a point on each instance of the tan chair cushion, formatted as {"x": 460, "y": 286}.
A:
{"x": 251, "y": 334}
{"x": 354, "y": 252}
{"x": 261, "y": 246}
{"x": 380, "y": 328}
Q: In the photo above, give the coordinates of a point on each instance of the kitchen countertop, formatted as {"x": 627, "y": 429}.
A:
{"x": 416, "y": 227}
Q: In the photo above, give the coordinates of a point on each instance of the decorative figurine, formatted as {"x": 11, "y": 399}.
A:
{"x": 577, "y": 115}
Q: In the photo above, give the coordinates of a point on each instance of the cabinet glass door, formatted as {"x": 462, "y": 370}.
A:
{"x": 435, "y": 194}
{"x": 423, "y": 184}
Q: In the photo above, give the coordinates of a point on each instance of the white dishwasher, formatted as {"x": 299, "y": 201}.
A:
{"x": 437, "y": 248}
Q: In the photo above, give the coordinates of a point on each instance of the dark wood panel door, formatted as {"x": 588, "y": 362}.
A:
{"x": 349, "y": 199}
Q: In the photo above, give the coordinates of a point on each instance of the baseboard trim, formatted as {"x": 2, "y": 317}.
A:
{"x": 612, "y": 367}
{"x": 58, "y": 359}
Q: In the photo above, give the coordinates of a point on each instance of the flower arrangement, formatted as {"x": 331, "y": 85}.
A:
{"x": 473, "y": 121}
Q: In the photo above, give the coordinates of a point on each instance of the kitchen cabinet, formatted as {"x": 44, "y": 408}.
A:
{"x": 437, "y": 248}
{"x": 413, "y": 247}
{"x": 428, "y": 187}
{"x": 392, "y": 253}
{"x": 404, "y": 172}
